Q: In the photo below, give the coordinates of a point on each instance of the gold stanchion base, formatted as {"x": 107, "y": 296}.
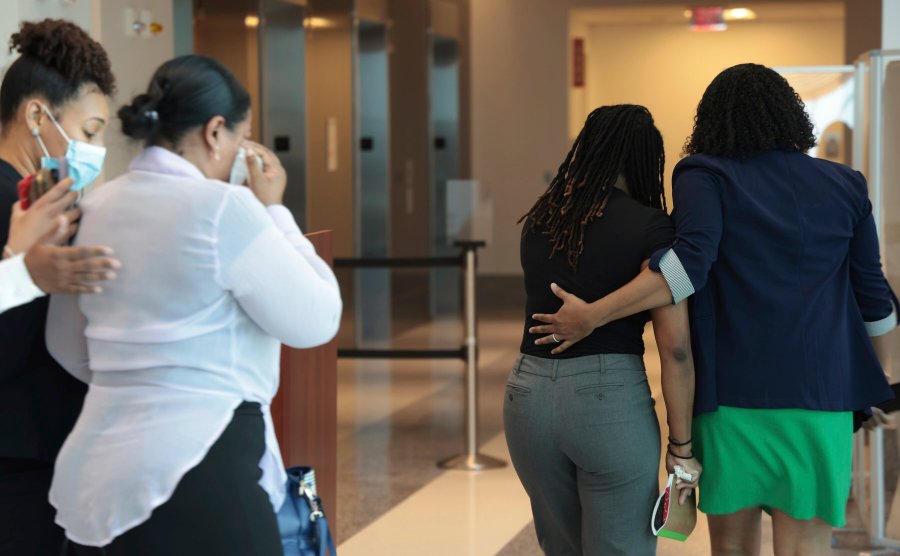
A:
{"x": 477, "y": 462}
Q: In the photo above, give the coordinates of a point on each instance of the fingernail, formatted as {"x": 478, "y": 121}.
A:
{"x": 110, "y": 275}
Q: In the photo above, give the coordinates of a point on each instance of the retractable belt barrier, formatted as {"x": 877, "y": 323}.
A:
{"x": 467, "y": 261}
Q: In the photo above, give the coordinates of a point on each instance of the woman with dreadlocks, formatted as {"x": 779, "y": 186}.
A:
{"x": 779, "y": 253}
{"x": 581, "y": 428}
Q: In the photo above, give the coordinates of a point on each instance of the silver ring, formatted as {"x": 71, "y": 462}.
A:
{"x": 555, "y": 339}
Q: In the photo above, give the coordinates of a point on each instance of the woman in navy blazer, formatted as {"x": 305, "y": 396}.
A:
{"x": 779, "y": 254}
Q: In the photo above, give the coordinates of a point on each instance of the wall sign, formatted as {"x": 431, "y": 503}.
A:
{"x": 578, "y": 62}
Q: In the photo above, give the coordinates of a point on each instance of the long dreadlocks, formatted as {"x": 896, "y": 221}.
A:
{"x": 615, "y": 140}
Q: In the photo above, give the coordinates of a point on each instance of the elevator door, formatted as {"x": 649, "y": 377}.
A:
{"x": 444, "y": 104}
{"x": 283, "y": 95}
{"x": 371, "y": 199}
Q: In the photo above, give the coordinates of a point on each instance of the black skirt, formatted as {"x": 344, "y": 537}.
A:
{"x": 26, "y": 516}
{"x": 217, "y": 508}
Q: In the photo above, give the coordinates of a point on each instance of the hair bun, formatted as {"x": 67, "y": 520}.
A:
{"x": 140, "y": 118}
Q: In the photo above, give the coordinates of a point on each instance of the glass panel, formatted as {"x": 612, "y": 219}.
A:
{"x": 444, "y": 91}
{"x": 373, "y": 317}
{"x": 888, "y": 115}
{"x": 283, "y": 124}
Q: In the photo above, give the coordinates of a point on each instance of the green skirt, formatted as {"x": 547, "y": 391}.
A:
{"x": 797, "y": 461}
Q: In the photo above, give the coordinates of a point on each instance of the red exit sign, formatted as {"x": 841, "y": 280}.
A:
{"x": 578, "y": 64}
{"x": 708, "y": 18}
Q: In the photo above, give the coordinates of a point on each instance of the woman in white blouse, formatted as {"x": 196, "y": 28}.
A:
{"x": 174, "y": 452}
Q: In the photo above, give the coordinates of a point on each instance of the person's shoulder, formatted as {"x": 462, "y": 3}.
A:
{"x": 703, "y": 163}
{"x": 828, "y": 165}
{"x": 852, "y": 180}
{"x": 636, "y": 212}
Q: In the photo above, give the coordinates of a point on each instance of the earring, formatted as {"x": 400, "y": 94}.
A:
{"x": 35, "y": 131}
{"x": 216, "y": 154}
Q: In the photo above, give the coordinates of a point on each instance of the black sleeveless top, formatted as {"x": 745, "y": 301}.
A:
{"x": 615, "y": 247}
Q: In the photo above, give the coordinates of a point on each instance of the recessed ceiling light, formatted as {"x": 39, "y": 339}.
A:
{"x": 318, "y": 23}
{"x": 736, "y": 14}
{"x": 251, "y": 21}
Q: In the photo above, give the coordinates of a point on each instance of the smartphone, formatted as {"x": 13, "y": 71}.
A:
{"x": 33, "y": 187}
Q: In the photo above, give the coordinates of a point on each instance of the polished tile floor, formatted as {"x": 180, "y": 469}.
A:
{"x": 397, "y": 419}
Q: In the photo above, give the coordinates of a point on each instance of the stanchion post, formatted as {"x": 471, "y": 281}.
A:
{"x": 471, "y": 460}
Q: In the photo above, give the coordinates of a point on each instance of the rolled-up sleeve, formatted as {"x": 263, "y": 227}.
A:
{"x": 698, "y": 231}
{"x": 876, "y": 301}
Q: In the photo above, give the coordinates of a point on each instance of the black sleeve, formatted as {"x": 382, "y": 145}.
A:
{"x": 8, "y": 196}
{"x": 20, "y": 327}
{"x": 659, "y": 234}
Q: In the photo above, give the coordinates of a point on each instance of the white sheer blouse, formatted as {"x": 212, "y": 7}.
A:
{"x": 211, "y": 284}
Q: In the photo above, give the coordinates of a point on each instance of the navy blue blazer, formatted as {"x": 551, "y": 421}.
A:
{"x": 780, "y": 255}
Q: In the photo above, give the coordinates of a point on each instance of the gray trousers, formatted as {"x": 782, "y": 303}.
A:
{"x": 584, "y": 440}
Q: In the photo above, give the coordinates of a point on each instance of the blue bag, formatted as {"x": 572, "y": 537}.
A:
{"x": 301, "y": 521}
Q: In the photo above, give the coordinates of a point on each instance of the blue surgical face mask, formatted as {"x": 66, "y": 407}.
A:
{"x": 84, "y": 161}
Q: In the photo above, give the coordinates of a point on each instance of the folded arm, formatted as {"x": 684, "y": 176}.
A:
{"x": 276, "y": 276}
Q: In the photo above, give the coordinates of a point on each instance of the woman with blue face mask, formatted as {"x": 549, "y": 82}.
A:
{"x": 174, "y": 452}
{"x": 54, "y": 108}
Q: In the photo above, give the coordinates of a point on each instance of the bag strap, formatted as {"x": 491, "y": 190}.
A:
{"x": 326, "y": 543}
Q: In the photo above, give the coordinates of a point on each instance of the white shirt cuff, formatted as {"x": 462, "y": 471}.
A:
{"x": 676, "y": 276}
{"x": 883, "y": 326}
{"x": 16, "y": 284}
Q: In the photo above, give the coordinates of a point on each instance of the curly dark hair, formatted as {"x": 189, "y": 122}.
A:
{"x": 56, "y": 59}
{"x": 749, "y": 109}
{"x": 615, "y": 140}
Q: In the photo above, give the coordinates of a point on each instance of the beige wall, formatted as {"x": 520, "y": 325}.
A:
{"x": 667, "y": 67}
{"x": 862, "y": 28}
{"x": 133, "y": 61}
{"x": 16, "y": 11}
{"x": 518, "y": 108}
